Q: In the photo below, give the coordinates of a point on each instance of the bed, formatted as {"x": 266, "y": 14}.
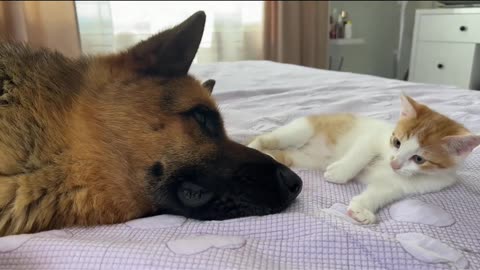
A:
{"x": 432, "y": 231}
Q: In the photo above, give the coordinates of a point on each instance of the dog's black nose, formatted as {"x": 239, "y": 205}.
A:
{"x": 289, "y": 181}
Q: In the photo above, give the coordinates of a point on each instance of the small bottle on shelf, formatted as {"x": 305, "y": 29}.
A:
{"x": 348, "y": 29}
{"x": 339, "y": 27}
{"x": 333, "y": 25}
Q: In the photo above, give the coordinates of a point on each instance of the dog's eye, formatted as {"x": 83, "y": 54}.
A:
{"x": 207, "y": 119}
{"x": 418, "y": 159}
{"x": 200, "y": 117}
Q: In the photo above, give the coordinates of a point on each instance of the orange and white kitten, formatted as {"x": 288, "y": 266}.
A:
{"x": 418, "y": 155}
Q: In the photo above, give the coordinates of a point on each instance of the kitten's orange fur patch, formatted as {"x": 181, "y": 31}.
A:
{"x": 332, "y": 126}
{"x": 430, "y": 127}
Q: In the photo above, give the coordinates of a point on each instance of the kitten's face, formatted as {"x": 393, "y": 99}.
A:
{"x": 426, "y": 142}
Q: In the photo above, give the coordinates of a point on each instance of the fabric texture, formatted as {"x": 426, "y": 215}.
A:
{"x": 313, "y": 233}
{"x": 296, "y": 32}
{"x": 47, "y": 24}
{"x": 420, "y": 212}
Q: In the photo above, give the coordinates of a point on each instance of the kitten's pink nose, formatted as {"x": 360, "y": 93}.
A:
{"x": 395, "y": 165}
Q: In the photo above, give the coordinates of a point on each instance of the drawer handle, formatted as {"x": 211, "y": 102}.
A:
{"x": 440, "y": 66}
{"x": 463, "y": 28}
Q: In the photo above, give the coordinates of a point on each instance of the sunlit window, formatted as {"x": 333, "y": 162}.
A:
{"x": 233, "y": 30}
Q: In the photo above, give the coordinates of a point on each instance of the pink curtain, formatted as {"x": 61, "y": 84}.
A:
{"x": 50, "y": 24}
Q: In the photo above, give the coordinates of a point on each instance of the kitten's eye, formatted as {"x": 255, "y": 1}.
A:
{"x": 396, "y": 143}
{"x": 418, "y": 159}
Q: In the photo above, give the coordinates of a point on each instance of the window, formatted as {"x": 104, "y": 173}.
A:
{"x": 233, "y": 30}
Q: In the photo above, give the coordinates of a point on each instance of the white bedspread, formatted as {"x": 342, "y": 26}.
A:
{"x": 313, "y": 233}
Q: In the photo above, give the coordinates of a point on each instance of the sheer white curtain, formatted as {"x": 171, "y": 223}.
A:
{"x": 233, "y": 30}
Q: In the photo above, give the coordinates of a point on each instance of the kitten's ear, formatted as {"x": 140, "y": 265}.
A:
{"x": 171, "y": 52}
{"x": 409, "y": 107}
{"x": 461, "y": 145}
{"x": 209, "y": 84}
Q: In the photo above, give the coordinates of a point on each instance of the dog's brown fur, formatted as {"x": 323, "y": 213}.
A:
{"x": 81, "y": 138}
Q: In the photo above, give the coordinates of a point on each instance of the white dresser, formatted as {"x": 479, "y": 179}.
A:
{"x": 446, "y": 47}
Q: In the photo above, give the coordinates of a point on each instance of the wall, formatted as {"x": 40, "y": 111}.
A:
{"x": 378, "y": 22}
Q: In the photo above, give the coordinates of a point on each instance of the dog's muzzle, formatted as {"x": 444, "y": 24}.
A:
{"x": 193, "y": 195}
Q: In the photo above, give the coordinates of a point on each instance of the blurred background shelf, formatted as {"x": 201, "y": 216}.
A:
{"x": 347, "y": 41}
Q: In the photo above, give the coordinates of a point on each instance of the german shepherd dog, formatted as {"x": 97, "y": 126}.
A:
{"x": 105, "y": 139}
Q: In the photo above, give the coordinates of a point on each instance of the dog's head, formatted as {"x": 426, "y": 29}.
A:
{"x": 171, "y": 132}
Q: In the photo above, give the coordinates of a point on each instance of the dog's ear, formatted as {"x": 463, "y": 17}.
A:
{"x": 171, "y": 52}
{"x": 209, "y": 84}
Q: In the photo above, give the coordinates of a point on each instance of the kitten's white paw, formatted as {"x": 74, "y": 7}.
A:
{"x": 264, "y": 142}
{"x": 255, "y": 144}
{"x": 338, "y": 172}
{"x": 360, "y": 214}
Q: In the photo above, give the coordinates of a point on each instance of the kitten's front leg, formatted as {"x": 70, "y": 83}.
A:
{"x": 347, "y": 167}
{"x": 340, "y": 171}
{"x": 295, "y": 134}
{"x": 362, "y": 207}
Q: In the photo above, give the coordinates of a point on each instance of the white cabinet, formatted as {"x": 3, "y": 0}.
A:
{"x": 446, "y": 47}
